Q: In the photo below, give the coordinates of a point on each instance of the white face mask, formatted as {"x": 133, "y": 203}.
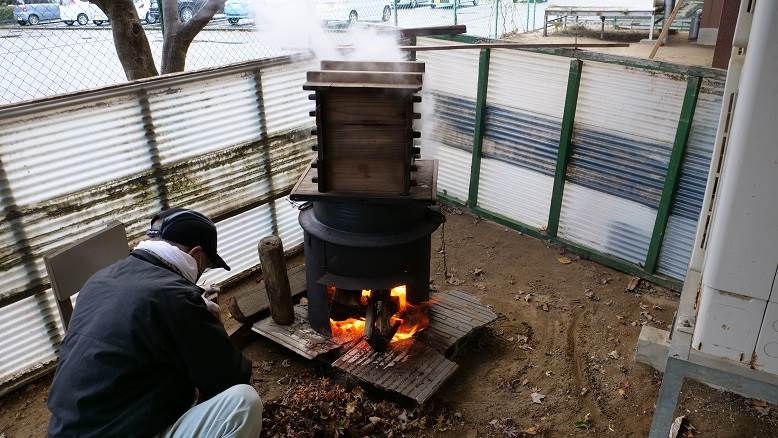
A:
{"x": 185, "y": 263}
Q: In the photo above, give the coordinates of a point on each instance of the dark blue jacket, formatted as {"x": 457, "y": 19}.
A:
{"x": 139, "y": 342}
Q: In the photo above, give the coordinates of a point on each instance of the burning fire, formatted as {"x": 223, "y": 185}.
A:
{"x": 412, "y": 318}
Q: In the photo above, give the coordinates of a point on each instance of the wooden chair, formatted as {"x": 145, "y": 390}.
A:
{"x": 71, "y": 266}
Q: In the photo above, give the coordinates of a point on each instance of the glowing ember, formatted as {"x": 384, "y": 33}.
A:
{"x": 348, "y": 328}
{"x": 412, "y": 318}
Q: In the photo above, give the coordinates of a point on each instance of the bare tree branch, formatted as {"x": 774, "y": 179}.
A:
{"x": 132, "y": 46}
{"x": 178, "y": 36}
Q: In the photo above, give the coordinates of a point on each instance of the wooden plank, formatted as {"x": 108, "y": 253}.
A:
{"x": 454, "y": 29}
{"x": 423, "y": 191}
{"x": 249, "y": 307}
{"x": 365, "y": 176}
{"x": 511, "y": 46}
{"x": 365, "y": 77}
{"x": 399, "y": 66}
{"x": 411, "y": 369}
{"x": 299, "y": 337}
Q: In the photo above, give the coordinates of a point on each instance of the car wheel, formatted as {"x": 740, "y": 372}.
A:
{"x": 387, "y": 14}
{"x": 69, "y": 22}
{"x": 98, "y": 23}
{"x": 432, "y": 5}
{"x": 22, "y": 23}
{"x": 233, "y": 21}
{"x": 150, "y": 19}
{"x": 33, "y": 20}
{"x": 82, "y": 19}
{"x": 475, "y": 2}
{"x": 186, "y": 14}
{"x": 353, "y": 17}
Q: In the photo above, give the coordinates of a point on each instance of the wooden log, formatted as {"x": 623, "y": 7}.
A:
{"x": 279, "y": 294}
{"x": 249, "y": 307}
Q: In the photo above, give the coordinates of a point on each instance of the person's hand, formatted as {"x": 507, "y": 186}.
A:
{"x": 210, "y": 296}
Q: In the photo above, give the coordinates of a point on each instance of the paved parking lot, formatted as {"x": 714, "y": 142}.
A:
{"x": 54, "y": 58}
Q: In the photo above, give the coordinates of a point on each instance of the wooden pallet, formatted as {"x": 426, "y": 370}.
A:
{"x": 414, "y": 368}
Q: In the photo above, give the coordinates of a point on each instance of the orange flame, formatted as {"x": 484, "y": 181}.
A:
{"x": 412, "y": 318}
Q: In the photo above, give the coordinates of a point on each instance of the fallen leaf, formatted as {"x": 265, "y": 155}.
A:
{"x": 623, "y": 393}
{"x": 528, "y": 297}
{"x": 544, "y": 307}
{"x": 524, "y": 382}
{"x": 286, "y": 363}
{"x": 534, "y": 430}
{"x": 549, "y": 373}
{"x": 633, "y": 283}
{"x": 614, "y": 355}
{"x": 478, "y": 271}
{"x": 537, "y": 397}
{"x": 564, "y": 260}
{"x": 454, "y": 281}
{"x": 375, "y": 420}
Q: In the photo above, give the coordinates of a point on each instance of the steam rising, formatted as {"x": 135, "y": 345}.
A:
{"x": 297, "y": 25}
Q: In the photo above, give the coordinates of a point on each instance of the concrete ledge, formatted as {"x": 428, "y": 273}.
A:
{"x": 652, "y": 347}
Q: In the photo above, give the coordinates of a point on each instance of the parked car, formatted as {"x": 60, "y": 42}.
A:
{"x": 186, "y": 9}
{"x": 77, "y": 11}
{"x": 142, "y": 7}
{"x": 236, "y": 10}
{"x": 99, "y": 17}
{"x": 411, "y": 3}
{"x": 351, "y": 11}
{"x": 34, "y": 12}
{"x": 450, "y": 3}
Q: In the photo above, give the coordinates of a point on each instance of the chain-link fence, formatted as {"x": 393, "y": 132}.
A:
{"x": 50, "y": 47}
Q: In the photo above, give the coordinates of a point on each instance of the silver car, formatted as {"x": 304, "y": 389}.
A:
{"x": 33, "y": 12}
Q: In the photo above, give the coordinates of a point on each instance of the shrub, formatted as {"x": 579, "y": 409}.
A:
{"x": 6, "y": 14}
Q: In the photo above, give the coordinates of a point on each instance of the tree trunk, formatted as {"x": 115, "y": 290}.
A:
{"x": 174, "y": 54}
{"x": 132, "y": 46}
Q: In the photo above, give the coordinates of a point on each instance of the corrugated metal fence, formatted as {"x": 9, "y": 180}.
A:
{"x": 606, "y": 155}
{"x": 628, "y": 187}
{"x": 229, "y": 142}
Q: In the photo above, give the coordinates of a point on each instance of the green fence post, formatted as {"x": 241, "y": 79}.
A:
{"x": 478, "y": 134}
{"x": 673, "y": 172}
{"x": 565, "y": 138}
{"x": 161, "y": 18}
{"x": 395, "y": 13}
{"x": 456, "y": 5}
{"x": 496, "y": 16}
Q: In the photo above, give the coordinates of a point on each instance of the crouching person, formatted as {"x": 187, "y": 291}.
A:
{"x": 143, "y": 345}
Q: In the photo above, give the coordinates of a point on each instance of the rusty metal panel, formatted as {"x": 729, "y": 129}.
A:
{"x": 448, "y": 114}
{"x": 525, "y": 102}
{"x": 286, "y": 104}
{"x": 196, "y": 118}
{"x": 685, "y": 211}
{"x": 71, "y": 164}
{"x": 624, "y": 130}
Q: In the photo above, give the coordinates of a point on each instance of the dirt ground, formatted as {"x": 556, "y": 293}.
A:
{"x": 679, "y": 50}
{"x": 566, "y": 331}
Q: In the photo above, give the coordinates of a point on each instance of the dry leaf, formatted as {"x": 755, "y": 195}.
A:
{"x": 564, "y": 260}
{"x": 614, "y": 355}
{"x": 537, "y": 397}
{"x": 534, "y": 430}
{"x": 633, "y": 283}
{"x": 623, "y": 393}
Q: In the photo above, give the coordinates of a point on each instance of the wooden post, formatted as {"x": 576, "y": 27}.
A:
{"x": 666, "y": 29}
{"x": 279, "y": 295}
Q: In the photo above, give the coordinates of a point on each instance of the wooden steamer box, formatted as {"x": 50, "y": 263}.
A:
{"x": 364, "y": 124}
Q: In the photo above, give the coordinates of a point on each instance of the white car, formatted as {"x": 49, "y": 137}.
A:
{"x": 142, "y": 7}
{"x": 351, "y": 11}
{"x": 99, "y": 17}
{"x": 77, "y": 11}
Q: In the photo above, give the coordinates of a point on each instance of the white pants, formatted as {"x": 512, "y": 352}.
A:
{"x": 235, "y": 412}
